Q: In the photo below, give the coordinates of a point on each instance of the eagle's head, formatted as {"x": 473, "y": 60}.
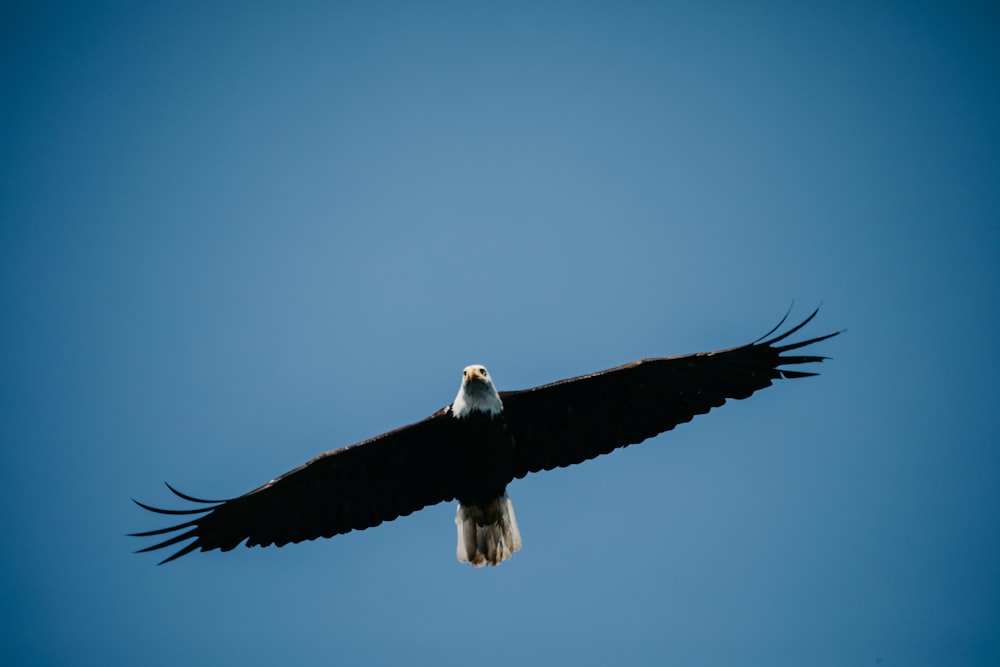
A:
{"x": 477, "y": 393}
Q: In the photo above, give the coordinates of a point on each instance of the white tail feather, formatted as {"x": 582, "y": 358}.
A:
{"x": 487, "y": 534}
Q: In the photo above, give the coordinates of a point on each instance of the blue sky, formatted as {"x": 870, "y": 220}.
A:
{"x": 233, "y": 237}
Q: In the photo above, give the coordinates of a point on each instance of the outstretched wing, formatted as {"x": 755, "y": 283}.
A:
{"x": 574, "y": 420}
{"x": 357, "y": 487}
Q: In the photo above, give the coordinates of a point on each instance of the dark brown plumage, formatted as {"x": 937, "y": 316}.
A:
{"x": 442, "y": 458}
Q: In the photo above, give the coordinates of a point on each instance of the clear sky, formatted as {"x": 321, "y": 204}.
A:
{"x": 234, "y": 236}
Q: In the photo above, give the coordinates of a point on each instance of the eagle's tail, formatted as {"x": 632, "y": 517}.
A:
{"x": 487, "y": 534}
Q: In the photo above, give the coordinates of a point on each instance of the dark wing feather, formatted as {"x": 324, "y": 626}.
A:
{"x": 574, "y": 420}
{"x": 357, "y": 487}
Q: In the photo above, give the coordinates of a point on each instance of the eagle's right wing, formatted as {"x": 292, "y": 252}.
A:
{"x": 353, "y": 488}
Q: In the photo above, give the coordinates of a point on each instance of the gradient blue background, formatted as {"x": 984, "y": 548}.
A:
{"x": 235, "y": 236}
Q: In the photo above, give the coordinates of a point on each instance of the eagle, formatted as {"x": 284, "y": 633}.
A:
{"x": 474, "y": 448}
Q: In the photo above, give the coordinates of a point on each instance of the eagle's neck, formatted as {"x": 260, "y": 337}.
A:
{"x": 476, "y": 396}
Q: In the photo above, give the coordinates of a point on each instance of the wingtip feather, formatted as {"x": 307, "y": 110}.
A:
{"x": 180, "y": 552}
{"x": 778, "y": 325}
{"x": 192, "y": 498}
{"x": 158, "y": 510}
{"x": 189, "y": 528}
{"x": 771, "y": 341}
{"x": 168, "y": 542}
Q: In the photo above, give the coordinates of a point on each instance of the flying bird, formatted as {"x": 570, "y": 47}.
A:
{"x": 474, "y": 448}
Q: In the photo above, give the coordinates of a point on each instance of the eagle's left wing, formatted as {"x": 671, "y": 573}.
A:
{"x": 574, "y": 420}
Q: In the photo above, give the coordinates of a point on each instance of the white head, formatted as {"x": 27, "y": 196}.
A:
{"x": 477, "y": 393}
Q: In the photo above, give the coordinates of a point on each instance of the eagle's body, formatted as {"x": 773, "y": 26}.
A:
{"x": 472, "y": 449}
{"x": 487, "y": 528}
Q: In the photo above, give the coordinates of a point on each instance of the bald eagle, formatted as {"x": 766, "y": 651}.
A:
{"x": 474, "y": 448}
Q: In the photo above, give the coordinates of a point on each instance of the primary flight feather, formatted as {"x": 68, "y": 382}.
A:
{"x": 472, "y": 449}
